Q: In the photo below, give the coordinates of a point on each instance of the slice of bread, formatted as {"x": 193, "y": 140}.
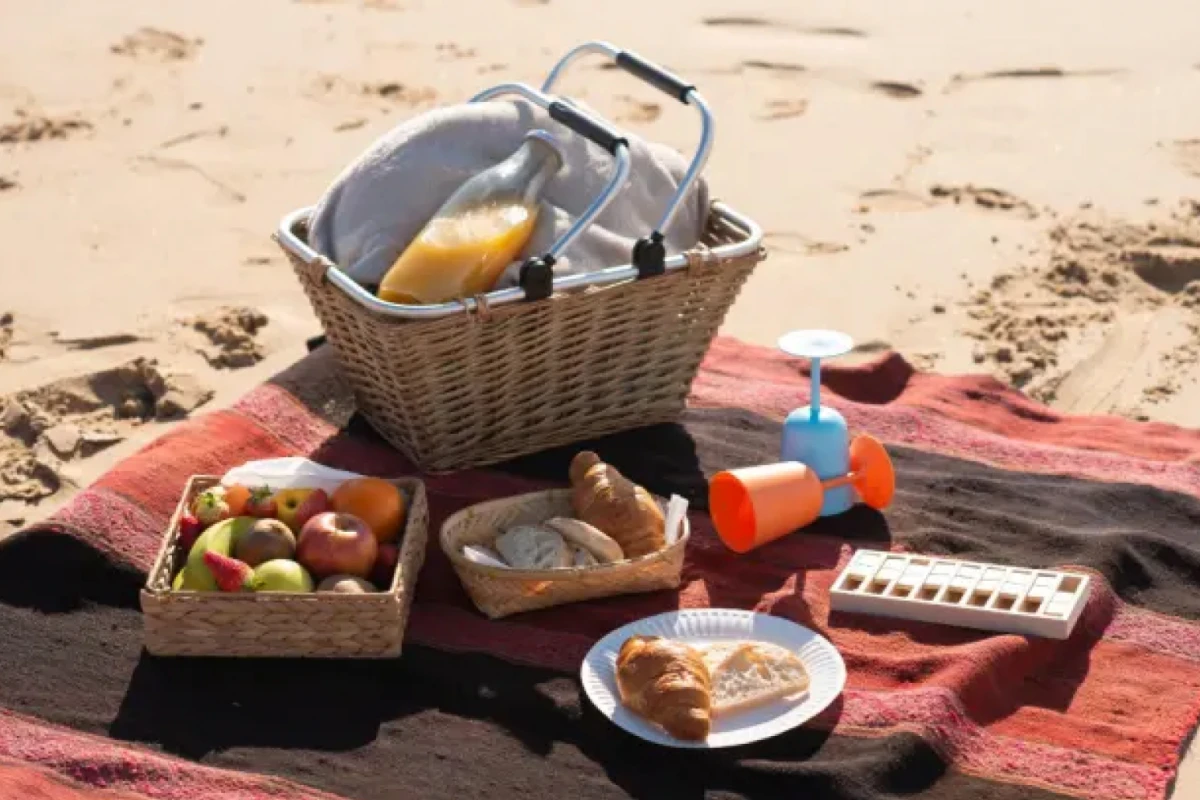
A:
{"x": 595, "y": 541}
{"x": 714, "y": 653}
{"x": 533, "y": 547}
{"x": 750, "y": 674}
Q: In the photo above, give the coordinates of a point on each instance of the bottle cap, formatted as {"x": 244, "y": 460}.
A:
{"x": 550, "y": 140}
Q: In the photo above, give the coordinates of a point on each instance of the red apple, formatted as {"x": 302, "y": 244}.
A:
{"x": 297, "y": 506}
{"x": 336, "y": 544}
{"x": 385, "y": 566}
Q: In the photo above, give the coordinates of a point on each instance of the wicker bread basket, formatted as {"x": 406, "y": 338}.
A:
{"x": 179, "y": 623}
{"x": 499, "y": 592}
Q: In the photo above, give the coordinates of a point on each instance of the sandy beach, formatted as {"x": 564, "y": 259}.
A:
{"x": 1002, "y": 188}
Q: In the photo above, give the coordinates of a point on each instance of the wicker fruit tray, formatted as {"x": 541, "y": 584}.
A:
{"x": 283, "y": 624}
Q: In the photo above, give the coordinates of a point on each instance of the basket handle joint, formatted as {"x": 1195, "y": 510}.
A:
{"x": 537, "y": 277}
{"x": 649, "y": 255}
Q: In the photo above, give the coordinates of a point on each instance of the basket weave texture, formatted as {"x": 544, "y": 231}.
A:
{"x": 481, "y": 387}
{"x": 282, "y": 624}
{"x": 499, "y": 592}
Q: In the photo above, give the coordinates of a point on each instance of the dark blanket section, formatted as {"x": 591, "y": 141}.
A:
{"x": 429, "y": 725}
{"x": 435, "y": 724}
{"x": 1142, "y": 539}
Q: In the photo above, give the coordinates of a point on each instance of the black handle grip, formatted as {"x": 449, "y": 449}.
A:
{"x": 537, "y": 277}
{"x": 654, "y": 75}
{"x": 587, "y": 126}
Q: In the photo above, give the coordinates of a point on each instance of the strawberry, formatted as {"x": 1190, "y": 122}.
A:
{"x": 261, "y": 503}
{"x": 210, "y": 506}
{"x": 190, "y": 528}
{"x": 231, "y": 575}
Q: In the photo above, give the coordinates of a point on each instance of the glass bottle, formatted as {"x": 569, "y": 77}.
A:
{"x": 478, "y": 231}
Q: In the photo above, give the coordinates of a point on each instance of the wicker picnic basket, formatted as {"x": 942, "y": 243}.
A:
{"x": 179, "y": 623}
{"x": 556, "y": 360}
{"x": 499, "y": 592}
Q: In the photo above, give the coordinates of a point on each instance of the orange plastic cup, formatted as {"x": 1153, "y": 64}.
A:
{"x": 756, "y": 505}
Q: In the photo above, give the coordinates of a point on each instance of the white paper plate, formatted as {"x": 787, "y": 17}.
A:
{"x": 826, "y": 671}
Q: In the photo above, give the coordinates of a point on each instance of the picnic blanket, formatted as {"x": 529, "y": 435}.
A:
{"x": 476, "y": 708}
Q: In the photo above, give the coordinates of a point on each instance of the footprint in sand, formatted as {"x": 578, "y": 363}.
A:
{"x": 36, "y": 128}
{"x": 404, "y": 94}
{"x": 1186, "y": 153}
{"x": 229, "y": 336}
{"x": 73, "y": 418}
{"x": 634, "y": 110}
{"x": 401, "y": 93}
{"x": 1168, "y": 263}
{"x": 6, "y": 332}
{"x": 784, "y": 108}
{"x": 782, "y": 67}
{"x": 986, "y": 198}
{"x": 761, "y": 23}
{"x": 449, "y": 51}
{"x": 158, "y": 44}
{"x": 888, "y": 200}
{"x": 962, "y": 79}
{"x": 802, "y": 245}
{"x": 900, "y": 91}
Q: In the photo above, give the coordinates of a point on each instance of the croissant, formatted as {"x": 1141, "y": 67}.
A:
{"x": 604, "y": 498}
{"x": 667, "y": 683}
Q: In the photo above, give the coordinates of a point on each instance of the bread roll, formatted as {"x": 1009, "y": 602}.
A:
{"x": 604, "y": 498}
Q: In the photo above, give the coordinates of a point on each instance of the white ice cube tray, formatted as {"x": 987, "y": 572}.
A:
{"x": 1037, "y": 602}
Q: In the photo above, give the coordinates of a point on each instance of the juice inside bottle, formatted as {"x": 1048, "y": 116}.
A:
{"x": 476, "y": 233}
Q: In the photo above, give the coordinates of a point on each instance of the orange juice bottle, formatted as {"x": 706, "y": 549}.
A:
{"x": 478, "y": 231}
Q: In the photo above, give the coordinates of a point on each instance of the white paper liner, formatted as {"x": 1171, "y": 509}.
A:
{"x": 481, "y": 556}
{"x": 676, "y": 510}
{"x": 292, "y": 472}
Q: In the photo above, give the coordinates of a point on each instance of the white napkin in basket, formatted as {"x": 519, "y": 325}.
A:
{"x": 287, "y": 473}
{"x": 379, "y": 203}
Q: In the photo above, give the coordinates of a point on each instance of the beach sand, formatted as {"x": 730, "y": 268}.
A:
{"x": 1009, "y": 188}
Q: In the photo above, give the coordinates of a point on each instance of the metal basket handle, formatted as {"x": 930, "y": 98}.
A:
{"x": 537, "y": 274}
{"x": 649, "y": 253}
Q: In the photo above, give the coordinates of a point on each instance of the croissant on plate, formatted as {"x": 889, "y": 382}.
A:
{"x": 667, "y": 683}
{"x": 604, "y": 498}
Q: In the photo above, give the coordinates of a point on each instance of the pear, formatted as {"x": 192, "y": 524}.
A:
{"x": 281, "y": 575}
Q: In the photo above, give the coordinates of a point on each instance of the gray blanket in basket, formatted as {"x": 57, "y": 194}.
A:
{"x": 378, "y": 204}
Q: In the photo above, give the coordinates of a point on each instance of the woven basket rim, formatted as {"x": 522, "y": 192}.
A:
{"x": 545, "y": 575}
{"x": 699, "y": 257}
{"x": 168, "y": 595}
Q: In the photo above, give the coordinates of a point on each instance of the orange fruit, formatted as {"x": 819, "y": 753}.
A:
{"x": 237, "y": 496}
{"x": 376, "y": 502}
